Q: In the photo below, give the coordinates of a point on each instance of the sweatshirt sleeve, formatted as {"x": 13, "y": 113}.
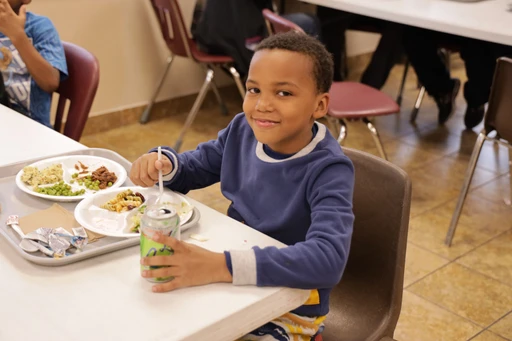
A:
{"x": 319, "y": 261}
{"x": 198, "y": 168}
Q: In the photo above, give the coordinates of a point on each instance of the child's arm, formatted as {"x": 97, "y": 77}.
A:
{"x": 46, "y": 76}
{"x": 319, "y": 261}
{"x": 315, "y": 263}
{"x": 190, "y": 170}
{"x": 198, "y": 168}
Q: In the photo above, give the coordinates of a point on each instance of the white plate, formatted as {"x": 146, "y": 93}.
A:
{"x": 68, "y": 167}
{"x": 91, "y": 216}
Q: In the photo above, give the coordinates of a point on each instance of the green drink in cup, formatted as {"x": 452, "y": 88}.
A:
{"x": 158, "y": 219}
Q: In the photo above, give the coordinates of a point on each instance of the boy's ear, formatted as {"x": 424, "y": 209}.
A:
{"x": 322, "y": 105}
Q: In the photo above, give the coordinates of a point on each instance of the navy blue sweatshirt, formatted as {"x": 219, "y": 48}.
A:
{"x": 303, "y": 200}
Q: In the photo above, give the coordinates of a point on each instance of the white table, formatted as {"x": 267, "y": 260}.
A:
{"x": 23, "y": 139}
{"x": 105, "y": 298}
{"x": 487, "y": 20}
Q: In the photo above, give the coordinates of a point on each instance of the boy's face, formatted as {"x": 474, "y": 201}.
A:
{"x": 282, "y": 100}
{"x": 16, "y": 4}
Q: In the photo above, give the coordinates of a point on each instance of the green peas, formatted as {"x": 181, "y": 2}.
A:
{"x": 59, "y": 189}
{"x": 88, "y": 182}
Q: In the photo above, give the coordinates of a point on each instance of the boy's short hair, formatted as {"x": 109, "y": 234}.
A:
{"x": 306, "y": 45}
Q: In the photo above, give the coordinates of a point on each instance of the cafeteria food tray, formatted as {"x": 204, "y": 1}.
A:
{"x": 15, "y": 201}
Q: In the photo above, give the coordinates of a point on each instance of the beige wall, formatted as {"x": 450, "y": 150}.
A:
{"x": 125, "y": 38}
{"x": 127, "y": 41}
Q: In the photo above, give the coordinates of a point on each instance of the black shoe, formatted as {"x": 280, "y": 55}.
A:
{"x": 446, "y": 102}
{"x": 474, "y": 116}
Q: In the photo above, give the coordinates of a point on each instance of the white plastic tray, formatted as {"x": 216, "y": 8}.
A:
{"x": 15, "y": 201}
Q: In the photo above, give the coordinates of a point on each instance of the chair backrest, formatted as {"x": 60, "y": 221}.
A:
{"x": 277, "y": 24}
{"x": 499, "y": 112}
{"x": 172, "y": 25}
{"x": 79, "y": 88}
{"x": 366, "y": 304}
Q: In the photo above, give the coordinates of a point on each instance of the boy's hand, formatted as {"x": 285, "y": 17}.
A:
{"x": 144, "y": 171}
{"x": 190, "y": 265}
{"x": 12, "y": 24}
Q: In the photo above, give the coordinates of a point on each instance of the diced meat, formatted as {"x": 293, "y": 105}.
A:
{"x": 103, "y": 175}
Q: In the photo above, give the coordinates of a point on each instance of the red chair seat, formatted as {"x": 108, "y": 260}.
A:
{"x": 206, "y": 58}
{"x": 79, "y": 88}
{"x": 355, "y": 100}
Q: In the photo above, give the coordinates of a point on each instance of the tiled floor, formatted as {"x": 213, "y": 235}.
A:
{"x": 458, "y": 293}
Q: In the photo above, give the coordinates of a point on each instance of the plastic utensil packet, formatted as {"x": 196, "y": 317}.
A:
{"x": 59, "y": 245}
{"x": 62, "y": 231}
{"x": 75, "y": 241}
{"x": 79, "y": 231}
{"x": 44, "y": 231}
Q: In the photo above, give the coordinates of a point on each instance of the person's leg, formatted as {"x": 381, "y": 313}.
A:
{"x": 421, "y": 47}
{"x": 308, "y": 22}
{"x": 480, "y": 63}
{"x": 334, "y": 23}
{"x": 480, "y": 60}
{"x": 290, "y": 326}
{"x": 386, "y": 55}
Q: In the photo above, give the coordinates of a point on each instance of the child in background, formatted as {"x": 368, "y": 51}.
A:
{"x": 32, "y": 59}
{"x": 285, "y": 175}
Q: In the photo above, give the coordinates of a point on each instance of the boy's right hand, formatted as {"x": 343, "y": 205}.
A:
{"x": 144, "y": 171}
{"x": 12, "y": 24}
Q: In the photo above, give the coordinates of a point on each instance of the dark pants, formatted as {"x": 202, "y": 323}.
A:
{"x": 389, "y": 51}
{"x": 479, "y": 57}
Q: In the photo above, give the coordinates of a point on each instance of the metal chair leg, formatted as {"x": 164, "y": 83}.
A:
{"x": 238, "y": 81}
{"x": 343, "y": 131}
{"x": 402, "y": 84}
{"x": 417, "y": 104}
{"x": 195, "y": 108}
{"x": 465, "y": 187}
{"x": 376, "y": 137}
{"x": 339, "y": 127}
{"x": 145, "y": 115}
{"x": 222, "y": 105}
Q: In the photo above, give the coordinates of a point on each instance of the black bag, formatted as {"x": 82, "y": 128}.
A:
{"x": 223, "y": 27}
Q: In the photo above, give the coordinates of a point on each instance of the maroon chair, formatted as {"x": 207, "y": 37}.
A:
{"x": 353, "y": 101}
{"x": 79, "y": 88}
{"x": 277, "y": 24}
{"x": 349, "y": 100}
{"x": 174, "y": 32}
{"x": 369, "y": 28}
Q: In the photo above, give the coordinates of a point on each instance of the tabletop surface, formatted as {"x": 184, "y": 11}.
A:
{"x": 105, "y": 296}
{"x": 489, "y": 20}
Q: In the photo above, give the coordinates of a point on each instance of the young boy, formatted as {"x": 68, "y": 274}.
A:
{"x": 285, "y": 175}
{"x": 32, "y": 59}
